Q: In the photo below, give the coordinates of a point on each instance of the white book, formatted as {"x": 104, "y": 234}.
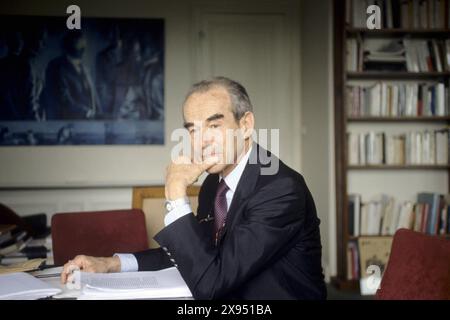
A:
{"x": 406, "y": 218}
{"x": 413, "y": 149}
{"x": 384, "y": 98}
{"x": 440, "y": 95}
{"x": 375, "y": 100}
{"x": 389, "y": 150}
{"x": 166, "y": 283}
{"x": 426, "y": 144}
{"x": 419, "y": 148}
{"x": 395, "y": 219}
{"x": 408, "y": 159}
{"x": 362, "y": 149}
{"x": 371, "y": 148}
{"x": 432, "y": 148}
{"x": 408, "y": 55}
{"x": 409, "y": 108}
{"x": 394, "y": 101}
{"x": 442, "y": 147}
{"x": 423, "y": 53}
{"x": 388, "y": 216}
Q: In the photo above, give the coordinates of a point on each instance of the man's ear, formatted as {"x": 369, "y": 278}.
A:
{"x": 247, "y": 124}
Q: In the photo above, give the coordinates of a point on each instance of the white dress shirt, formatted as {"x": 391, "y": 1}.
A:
{"x": 128, "y": 261}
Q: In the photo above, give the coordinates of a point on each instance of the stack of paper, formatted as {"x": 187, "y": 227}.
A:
{"x": 166, "y": 283}
{"x": 22, "y": 286}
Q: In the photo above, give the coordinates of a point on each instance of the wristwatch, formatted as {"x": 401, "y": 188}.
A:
{"x": 173, "y": 204}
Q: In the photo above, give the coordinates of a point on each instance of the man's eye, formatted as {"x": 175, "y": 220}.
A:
{"x": 214, "y": 126}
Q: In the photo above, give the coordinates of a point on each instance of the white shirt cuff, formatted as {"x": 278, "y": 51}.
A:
{"x": 177, "y": 213}
{"x": 128, "y": 262}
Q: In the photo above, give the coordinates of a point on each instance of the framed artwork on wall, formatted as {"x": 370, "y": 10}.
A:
{"x": 101, "y": 85}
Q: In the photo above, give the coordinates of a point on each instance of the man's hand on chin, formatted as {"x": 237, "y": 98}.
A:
{"x": 182, "y": 172}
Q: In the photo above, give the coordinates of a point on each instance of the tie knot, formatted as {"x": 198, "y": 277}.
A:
{"x": 222, "y": 188}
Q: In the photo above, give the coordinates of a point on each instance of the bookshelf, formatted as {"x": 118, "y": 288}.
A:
{"x": 342, "y": 121}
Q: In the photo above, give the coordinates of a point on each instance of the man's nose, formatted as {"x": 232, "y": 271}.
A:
{"x": 207, "y": 138}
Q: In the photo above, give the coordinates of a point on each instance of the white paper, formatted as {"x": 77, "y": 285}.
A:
{"x": 22, "y": 286}
{"x": 166, "y": 283}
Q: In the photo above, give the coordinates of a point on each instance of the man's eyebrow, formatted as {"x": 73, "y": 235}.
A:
{"x": 215, "y": 117}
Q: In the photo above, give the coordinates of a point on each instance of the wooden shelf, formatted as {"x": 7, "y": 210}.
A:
{"x": 399, "y": 119}
{"x": 437, "y": 33}
{"x": 375, "y": 75}
{"x": 399, "y": 167}
{"x": 342, "y": 78}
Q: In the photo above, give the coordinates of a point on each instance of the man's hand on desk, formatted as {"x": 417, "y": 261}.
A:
{"x": 90, "y": 264}
{"x": 183, "y": 172}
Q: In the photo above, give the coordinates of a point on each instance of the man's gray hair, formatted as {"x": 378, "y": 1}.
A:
{"x": 238, "y": 95}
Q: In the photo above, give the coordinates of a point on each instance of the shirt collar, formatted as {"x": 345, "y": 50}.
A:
{"x": 232, "y": 179}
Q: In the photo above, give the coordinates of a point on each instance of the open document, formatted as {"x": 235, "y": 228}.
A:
{"x": 23, "y": 286}
{"x": 161, "y": 284}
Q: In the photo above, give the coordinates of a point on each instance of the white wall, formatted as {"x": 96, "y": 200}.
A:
{"x": 317, "y": 119}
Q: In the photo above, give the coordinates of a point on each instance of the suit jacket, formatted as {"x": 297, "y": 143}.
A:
{"x": 67, "y": 94}
{"x": 270, "y": 247}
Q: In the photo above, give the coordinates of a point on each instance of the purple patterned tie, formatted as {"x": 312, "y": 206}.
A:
{"x": 220, "y": 207}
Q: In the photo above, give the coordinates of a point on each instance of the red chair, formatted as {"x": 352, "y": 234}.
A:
{"x": 100, "y": 233}
{"x": 418, "y": 268}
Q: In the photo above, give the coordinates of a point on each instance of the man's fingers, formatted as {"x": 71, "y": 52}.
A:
{"x": 208, "y": 163}
{"x": 66, "y": 271}
{"x": 70, "y": 266}
{"x": 182, "y": 160}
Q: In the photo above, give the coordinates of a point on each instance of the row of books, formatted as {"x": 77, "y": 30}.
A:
{"x": 365, "y": 252}
{"x": 384, "y": 215}
{"x": 398, "y": 99}
{"x": 413, "y": 148}
{"x": 427, "y": 55}
{"x": 16, "y": 246}
{"x": 412, "y": 55}
{"x": 413, "y": 14}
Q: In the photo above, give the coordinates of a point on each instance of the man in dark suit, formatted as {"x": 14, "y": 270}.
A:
{"x": 256, "y": 234}
{"x": 69, "y": 93}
